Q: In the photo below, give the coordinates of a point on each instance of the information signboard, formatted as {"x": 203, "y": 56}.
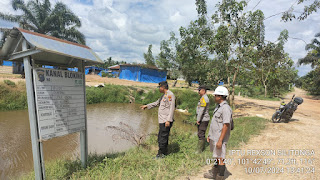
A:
{"x": 60, "y": 103}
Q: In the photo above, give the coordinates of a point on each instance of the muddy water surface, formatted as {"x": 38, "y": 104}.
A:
{"x": 15, "y": 142}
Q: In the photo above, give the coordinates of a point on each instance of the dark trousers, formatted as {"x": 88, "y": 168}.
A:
{"x": 163, "y": 138}
{"x": 202, "y": 128}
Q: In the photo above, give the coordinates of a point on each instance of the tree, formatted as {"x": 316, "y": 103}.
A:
{"x": 239, "y": 33}
{"x": 270, "y": 57}
{"x": 110, "y": 62}
{"x": 291, "y": 14}
{"x": 313, "y": 56}
{"x": 167, "y": 57}
{"x": 311, "y": 82}
{"x": 149, "y": 57}
{"x": 230, "y": 47}
{"x": 106, "y": 63}
{"x": 5, "y": 32}
{"x": 39, "y": 16}
{"x": 164, "y": 59}
{"x": 193, "y": 57}
{"x": 282, "y": 77}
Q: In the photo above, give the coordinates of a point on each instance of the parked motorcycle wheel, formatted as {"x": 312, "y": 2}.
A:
{"x": 276, "y": 117}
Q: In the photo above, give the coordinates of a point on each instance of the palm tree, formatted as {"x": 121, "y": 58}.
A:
{"x": 39, "y": 16}
{"x": 313, "y": 56}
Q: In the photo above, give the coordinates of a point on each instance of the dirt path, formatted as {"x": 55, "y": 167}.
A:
{"x": 302, "y": 133}
{"x": 92, "y": 80}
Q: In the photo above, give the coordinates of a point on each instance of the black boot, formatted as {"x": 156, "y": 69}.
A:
{"x": 212, "y": 174}
{"x": 218, "y": 177}
{"x": 160, "y": 155}
{"x": 201, "y": 146}
{"x": 221, "y": 169}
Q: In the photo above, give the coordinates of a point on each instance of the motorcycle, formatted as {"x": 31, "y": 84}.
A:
{"x": 286, "y": 111}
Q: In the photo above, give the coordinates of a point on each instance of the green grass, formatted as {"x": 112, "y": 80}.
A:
{"x": 12, "y": 96}
{"x": 9, "y": 83}
{"x": 108, "y": 94}
{"x": 261, "y": 97}
{"x": 257, "y": 92}
{"x": 245, "y": 127}
{"x": 138, "y": 162}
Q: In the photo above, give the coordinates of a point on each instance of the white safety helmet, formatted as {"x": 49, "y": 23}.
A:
{"x": 222, "y": 91}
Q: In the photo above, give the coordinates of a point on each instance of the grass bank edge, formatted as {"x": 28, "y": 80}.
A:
{"x": 138, "y": 162}
{"x": 13, "y": 96}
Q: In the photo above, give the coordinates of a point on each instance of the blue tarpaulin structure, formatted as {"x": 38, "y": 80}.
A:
{"x": 55, "y": 67}
{"x": 7, "y": 63}
{"x": 100, "y": 73}
{"x": 142, "y": 73}
{"x": 90, "y": 69}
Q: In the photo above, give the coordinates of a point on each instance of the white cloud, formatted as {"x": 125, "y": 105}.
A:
{"x": 300, "y": 32}
{"x": 102, "y": 3}
{"x": 303, "y": 70}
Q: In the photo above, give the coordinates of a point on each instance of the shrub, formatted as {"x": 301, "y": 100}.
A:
{"x": 9, "y": 83}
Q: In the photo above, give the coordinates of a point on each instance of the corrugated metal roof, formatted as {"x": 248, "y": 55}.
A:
{"x": 51, "y": 50}
{"x": 143, "y": 66}
{"x": 114, "y": 67}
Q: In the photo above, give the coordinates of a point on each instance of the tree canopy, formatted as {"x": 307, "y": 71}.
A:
{"x": 229, "y": 45}
{"x": 291, "y": 14}
{"x": 311, "y": 81}
{"x": 148, "y": 57}
{"x": 41, "y": 17}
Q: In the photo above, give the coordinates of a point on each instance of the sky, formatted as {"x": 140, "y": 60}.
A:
{"x": 123, "y": 29}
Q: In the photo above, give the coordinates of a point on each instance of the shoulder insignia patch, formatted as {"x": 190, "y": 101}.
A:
{"x": 164, "y": 98}
{"x": 203, "y": 102}
{"x": 170, "y": 97}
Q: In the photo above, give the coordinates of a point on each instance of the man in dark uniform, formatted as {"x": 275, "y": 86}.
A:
{"x": 166, "y": 105}
{"x": 203, "y": 117}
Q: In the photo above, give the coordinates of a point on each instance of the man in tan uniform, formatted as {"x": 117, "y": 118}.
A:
{"x": 219, "y": 133}
{"x": 166, "y": 105}
{"x": 203, "y": 117}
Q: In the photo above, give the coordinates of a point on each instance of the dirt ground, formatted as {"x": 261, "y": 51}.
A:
{"x": 12, "y": 77}
{"x": 92, "y": 80}
{"x": 289, "y": 150}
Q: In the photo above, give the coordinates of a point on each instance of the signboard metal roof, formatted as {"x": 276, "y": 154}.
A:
{"x": 46, "y": 49}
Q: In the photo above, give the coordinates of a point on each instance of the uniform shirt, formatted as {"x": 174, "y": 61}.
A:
{"x": 203, "y": 109}
{"x": 166, "y": 107}
{"x": 222, "y": 115}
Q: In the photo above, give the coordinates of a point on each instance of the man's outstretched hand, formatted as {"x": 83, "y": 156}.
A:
{"x": 143, "y": 107}
{"x": 167, "y": 124}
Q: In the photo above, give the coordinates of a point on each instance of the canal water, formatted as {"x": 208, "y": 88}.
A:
{"x": 105, "y": 124}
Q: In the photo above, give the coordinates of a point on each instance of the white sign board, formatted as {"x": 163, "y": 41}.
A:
{"x": 59, "y": 102}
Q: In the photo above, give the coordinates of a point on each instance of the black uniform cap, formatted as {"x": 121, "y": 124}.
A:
{"x": 202, "y": 87}
{"x": 163, "y": 83}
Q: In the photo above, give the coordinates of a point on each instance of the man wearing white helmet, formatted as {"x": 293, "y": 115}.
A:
{"x": 219, "y": 133}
